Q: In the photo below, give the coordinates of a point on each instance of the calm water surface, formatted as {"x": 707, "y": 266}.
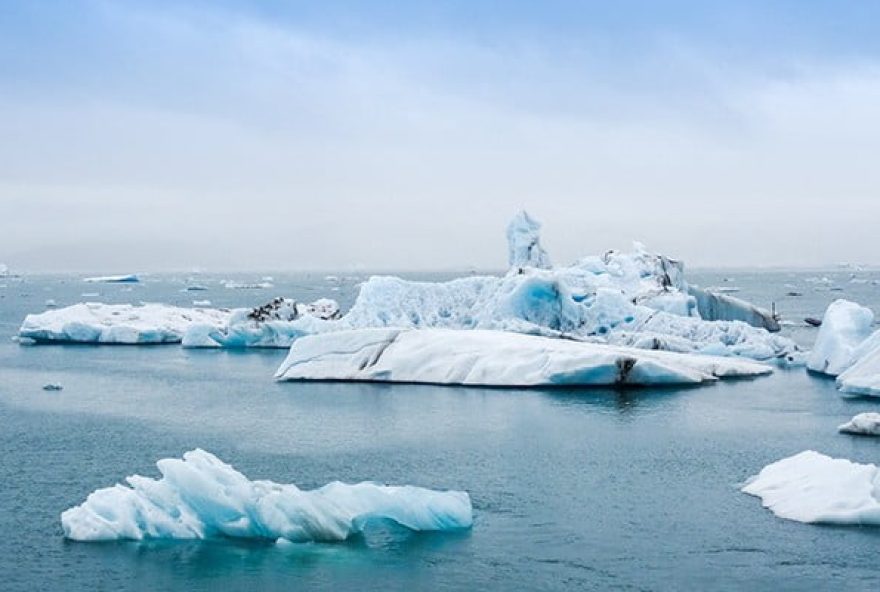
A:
{"x": 572, "y": 489}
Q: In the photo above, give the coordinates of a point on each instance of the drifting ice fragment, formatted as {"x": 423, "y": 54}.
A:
{"x": 844, "y": 327}
{"x": 113, "y": 279}
{"x": 811, "y": 487}
{"x": 202, "y": 497}
{"x": 866, "y": 424}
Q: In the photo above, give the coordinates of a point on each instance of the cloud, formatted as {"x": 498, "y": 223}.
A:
{"x": 297, "y": 148}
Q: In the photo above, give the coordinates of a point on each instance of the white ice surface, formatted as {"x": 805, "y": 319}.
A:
{"x": 494, "y": 358}
{"x": 866, "y": 424}
{"x": 94, "y": 322}
{"x": 113, "y": 279}
{"x": 812, "y": 487}
{"x": 863, "y": 376}
{"x": 844, "y": 327}
{"x": 201, "y": 497}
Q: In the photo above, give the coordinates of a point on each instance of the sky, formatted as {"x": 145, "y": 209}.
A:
{"x": 383, "y": 135}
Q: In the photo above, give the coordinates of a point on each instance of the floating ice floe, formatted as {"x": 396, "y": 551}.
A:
{"x": 814, "y": 488}
{"x": 201, "y": 497}
{"x": 113, "y": 279}
{"x": 844, "y": 327}
{"x": 94, "y": 322}
{"x": 865, "y": 424}
{"x": 847, "y": 348}
{"x": 494, "y": 358}
{"x": 52, "y": 386}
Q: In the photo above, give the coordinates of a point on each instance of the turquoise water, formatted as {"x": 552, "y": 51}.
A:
{"x": 572, "y": 489}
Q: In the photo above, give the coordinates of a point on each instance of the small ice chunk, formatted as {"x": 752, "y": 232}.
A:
{"x": 866, "y": 424}
{"x": 113, "y": 279}
{"x": 52, "y": 386}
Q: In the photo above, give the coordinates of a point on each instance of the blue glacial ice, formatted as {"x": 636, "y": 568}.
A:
{"x": 638, "y": 299}
{"x": 201, "y": 497}
{"x": 524, "y": 243}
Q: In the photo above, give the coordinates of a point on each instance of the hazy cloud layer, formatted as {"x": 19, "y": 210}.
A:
{"x": 198, "y": 134}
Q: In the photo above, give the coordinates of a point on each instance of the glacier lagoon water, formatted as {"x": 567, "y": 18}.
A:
{"x": 572, "y": 489}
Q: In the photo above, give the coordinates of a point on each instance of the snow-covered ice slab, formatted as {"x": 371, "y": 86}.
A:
{"x": 814, "y": 488}
{"x": 844, "y": 327}
{"x": 201, "y": 497}
{"x": 94, "y": 322}
{"x": 865, "y": 424}
{"x": 494, "y": 358}
{"x": 863, "y": 377}
{"x": 114, "y": 279}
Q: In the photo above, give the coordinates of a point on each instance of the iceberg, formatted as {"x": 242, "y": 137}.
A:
{"x": 201, "y": 497}
{"x": 638, "y": 299}
{"x": 865, "y": 424}
{"x": 847, "y": 348}
{"x": 113, "y": 279}
{"x": 814, "y": 488}
{"x": 494, "y": 358}
{"x": 845, "y": 326}
{"x": 94, "y": 322}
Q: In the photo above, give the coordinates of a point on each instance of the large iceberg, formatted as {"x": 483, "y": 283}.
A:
{"x": 94, "y": 322}
{"x": 864, "y": 424}
{"x": 811, "y": 487}
{"x": 847, "y": 348}
{"x": 201, "y": 497}
{"x": 494, "y": 358}
{"x": 635, "y": 299}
